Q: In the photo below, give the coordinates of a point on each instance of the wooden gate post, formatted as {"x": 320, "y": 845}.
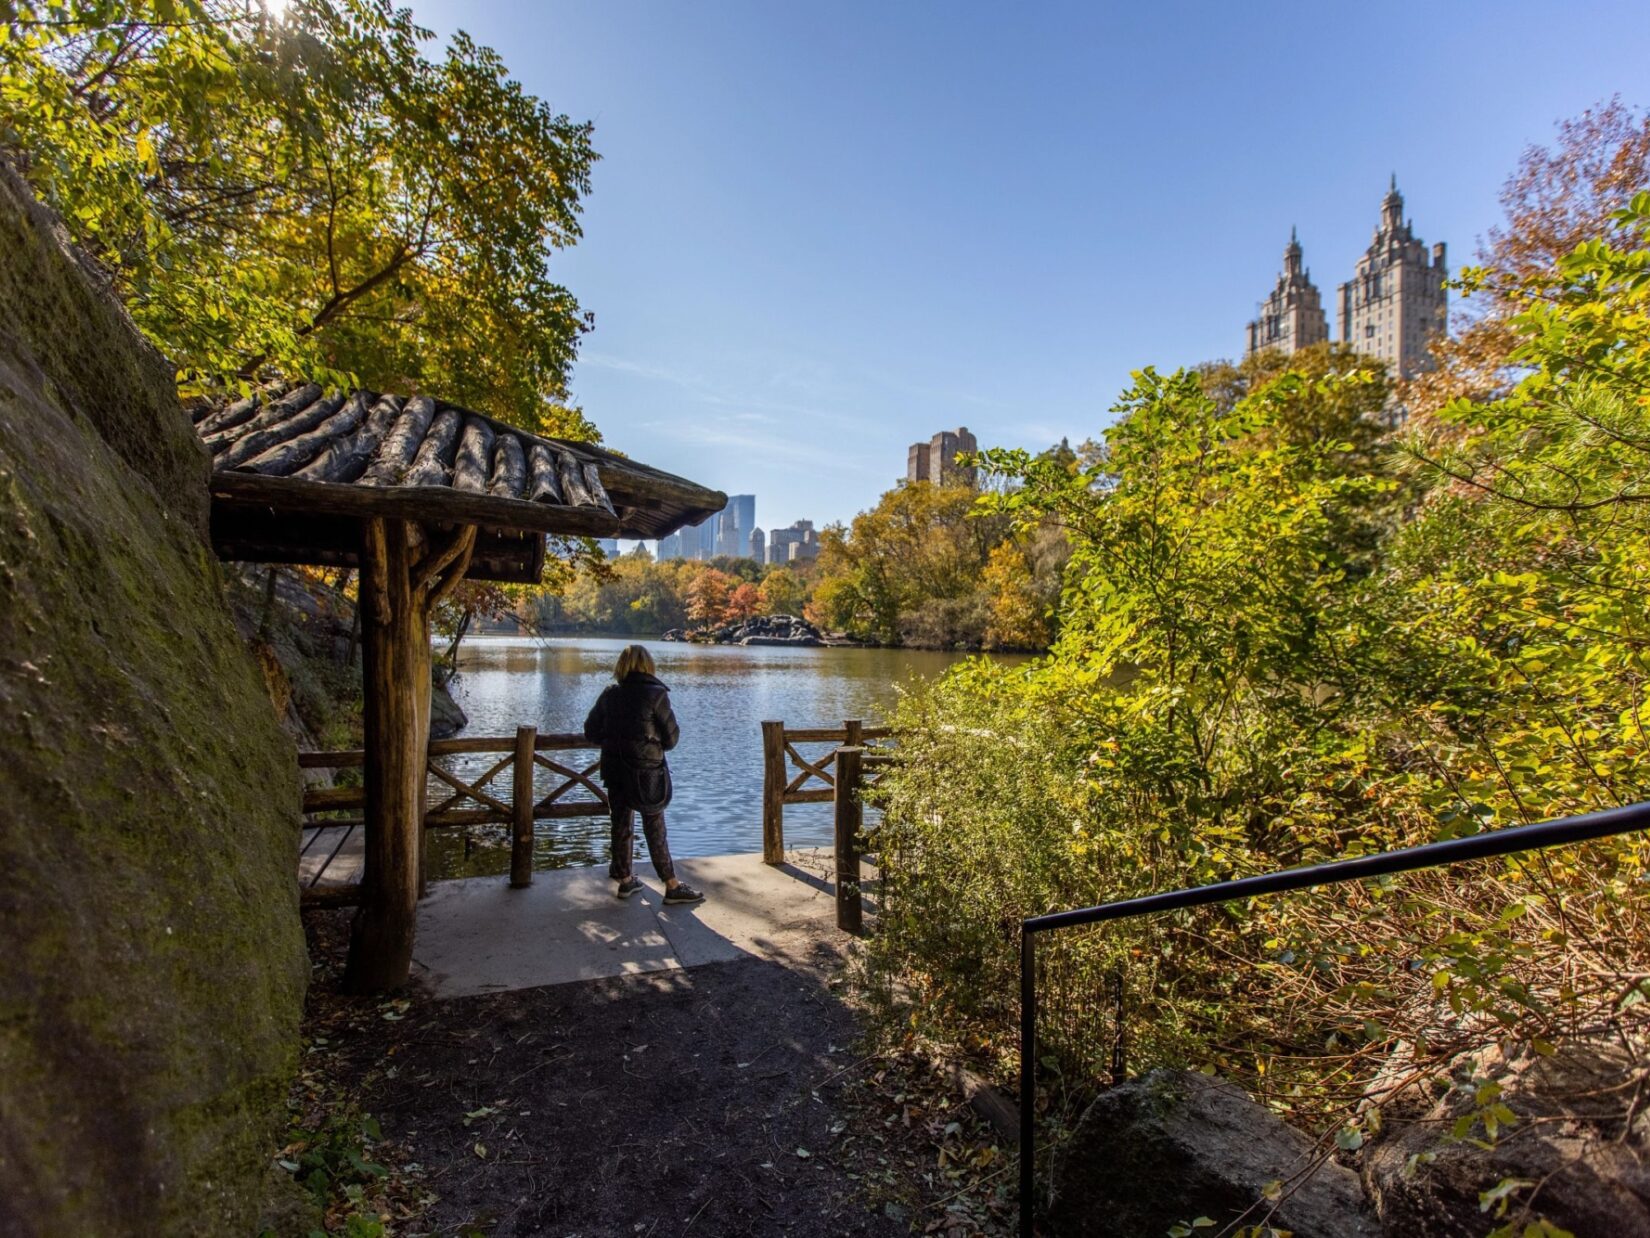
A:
{"x": 773, "y": 792}
{"x": 849, "y": 818}
{"x": 521, "y": 807}
{"x": 853, "y": 733}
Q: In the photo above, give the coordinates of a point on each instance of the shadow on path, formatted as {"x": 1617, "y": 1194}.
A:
{"x": 701, "y": 1101}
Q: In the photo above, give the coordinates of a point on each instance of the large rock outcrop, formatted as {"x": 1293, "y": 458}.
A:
{"x": 153, "y": 965}
{"x": 1172, "y": 1146}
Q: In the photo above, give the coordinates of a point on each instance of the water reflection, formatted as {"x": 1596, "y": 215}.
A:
{"x": 721, "y": 694}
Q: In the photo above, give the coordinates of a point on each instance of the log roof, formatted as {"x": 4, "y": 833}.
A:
{"x": 295, "y": 469}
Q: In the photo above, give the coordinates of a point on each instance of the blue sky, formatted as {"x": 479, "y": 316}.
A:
{"x": 821, "y": 232}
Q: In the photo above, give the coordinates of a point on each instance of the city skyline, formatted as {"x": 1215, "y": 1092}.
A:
{"x": 733, "y": 533}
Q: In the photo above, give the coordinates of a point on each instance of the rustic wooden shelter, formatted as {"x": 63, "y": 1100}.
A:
{"x": 419, "y": 495}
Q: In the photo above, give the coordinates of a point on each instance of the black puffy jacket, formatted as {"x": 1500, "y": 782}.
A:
{"x": 633, "y": 723}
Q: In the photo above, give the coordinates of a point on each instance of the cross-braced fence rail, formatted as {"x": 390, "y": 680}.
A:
{"x": 465, "y": 800}
{"x": 780, "y": 787}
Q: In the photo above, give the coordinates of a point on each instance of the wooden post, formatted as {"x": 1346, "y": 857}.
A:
{"x": 395, "y": 646}
{"x": 773, "y": 792}
{"x": 521, "y": 804}
{"x": 402, "y": 578}
{"x": 853, "y": 733}
{"x": 269, "y": 606}
{"x": 849, "y": 817}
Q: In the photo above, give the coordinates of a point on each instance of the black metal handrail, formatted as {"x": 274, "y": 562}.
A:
{"x": 1432, "y": 855}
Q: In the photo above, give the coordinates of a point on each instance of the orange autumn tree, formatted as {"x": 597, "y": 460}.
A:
{"x": 1558, "y": 197}
{"x": 744, "y": 601}
{"x": 707, "y": 596}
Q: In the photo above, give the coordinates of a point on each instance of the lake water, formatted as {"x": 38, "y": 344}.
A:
{"x": 721, "y": 695}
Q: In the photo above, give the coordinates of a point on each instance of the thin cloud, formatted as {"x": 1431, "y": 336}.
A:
{"x": 746, "y": 400}
{"x": 765, "y": 449}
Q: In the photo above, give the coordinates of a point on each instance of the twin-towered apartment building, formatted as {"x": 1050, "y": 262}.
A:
{"x": 1392, "y": 306}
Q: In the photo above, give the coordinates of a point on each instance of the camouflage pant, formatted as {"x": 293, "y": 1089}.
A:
{"x": 624, "y": 839}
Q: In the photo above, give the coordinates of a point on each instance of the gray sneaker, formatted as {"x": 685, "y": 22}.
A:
{"x": 684, "y": 893}
{"x": 629, "y": 886}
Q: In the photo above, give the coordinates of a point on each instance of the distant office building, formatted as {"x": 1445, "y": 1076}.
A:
{"x": 696, "y": 541}
{"x": 758, "y": 547}
{"x": 780, "y": 542}
{"x": 1292, "y": 316}
{"x": 734, "y": 526}
{"x": 1396, "y": 302}
{"x": 609, "y": 546}
{"x": 742, "y": 509}
{"x": 802, "y": 552}
{"x": 936, "y": 460}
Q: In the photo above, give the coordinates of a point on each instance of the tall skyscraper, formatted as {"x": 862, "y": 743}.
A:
{"x": 1292, "y": 315}
{"x": 697, "y": 541}
{"x": 670, "y": 547}
{"x": 758, "y": 546}
{"x": 733, "y": 526}
{"x": 743, "y": 507}
{"x": 936, "y": 460}
{"x": 1396, "y": 301}
{"x": 727, "y": 534}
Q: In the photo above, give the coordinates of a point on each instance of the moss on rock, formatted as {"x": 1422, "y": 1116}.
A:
{"x": 154, "y": 966}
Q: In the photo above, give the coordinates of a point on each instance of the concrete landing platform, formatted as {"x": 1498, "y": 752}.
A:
{"x": 480, "y": 936}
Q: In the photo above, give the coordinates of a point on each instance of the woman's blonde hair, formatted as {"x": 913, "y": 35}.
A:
{"x": 634, "y": 658}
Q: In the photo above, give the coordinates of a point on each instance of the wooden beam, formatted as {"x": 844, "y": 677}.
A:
{"x": 329, "y": 897}
{"x": 817, "y": 795}
{"x": 453, "y": 572}
{"x": 457, "y": 545}
{"x": 433, "y": 504}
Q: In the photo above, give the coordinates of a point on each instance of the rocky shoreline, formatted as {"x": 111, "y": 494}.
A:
{"x": 761, "y": 630}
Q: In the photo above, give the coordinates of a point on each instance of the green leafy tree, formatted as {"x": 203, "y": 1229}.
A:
{"x": 1246, "y": 679}
{"x": 308, "y": 192}
{"x": 910, "y": 568}
{"x": 783, "y": 592}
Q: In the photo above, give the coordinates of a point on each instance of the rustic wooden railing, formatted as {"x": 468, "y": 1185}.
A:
{"x": 471, "y": 802}
{"x": 779, "y": 787}
{"x": 857, "y": 770}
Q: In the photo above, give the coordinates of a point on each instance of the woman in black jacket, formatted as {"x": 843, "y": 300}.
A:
{"x": 633, "y": 724}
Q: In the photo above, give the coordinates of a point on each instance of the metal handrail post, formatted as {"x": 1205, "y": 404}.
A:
{"x": 1028, "y": 1067}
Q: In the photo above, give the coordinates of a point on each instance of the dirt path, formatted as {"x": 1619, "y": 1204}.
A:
{"x": 706, "y": 1101}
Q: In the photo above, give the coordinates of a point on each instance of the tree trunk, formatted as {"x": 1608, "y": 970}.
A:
{"x": 403, "y": 575}
{"x": 450, "y": 658}
{"x": 395, "y": 643}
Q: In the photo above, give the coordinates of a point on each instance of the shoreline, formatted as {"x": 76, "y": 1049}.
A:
{"x": 659, "y": 638}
